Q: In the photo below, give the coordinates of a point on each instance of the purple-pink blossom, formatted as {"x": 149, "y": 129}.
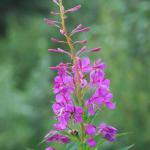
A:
{"x": 50, "y": 148}
{"x": 90, "y": 129}
{"x": 84, "y": 65}
{"x": 63, "y": 84}
{"x": 108, "y": 132}
{"x": 58, "y": 138}
{"x": 91, "y": 142}
{"x": 65, "y": 112}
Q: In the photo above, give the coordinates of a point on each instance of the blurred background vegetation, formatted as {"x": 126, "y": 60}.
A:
{"x": 120, "y": 27}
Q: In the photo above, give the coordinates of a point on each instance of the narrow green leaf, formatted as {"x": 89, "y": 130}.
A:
{"x": 123, "y": 134}
{"x": 127, "y": 148}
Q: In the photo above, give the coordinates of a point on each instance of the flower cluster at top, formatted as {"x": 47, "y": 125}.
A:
{"x": 81, "y": 90}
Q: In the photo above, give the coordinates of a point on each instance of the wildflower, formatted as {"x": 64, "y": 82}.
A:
{"x": 97, "y": 73}
{"x": 50, "y": 148}
{"x": 108, "y": 132}
{"x": 91, "y": 142}
{"x": 66, "y": 112}
{"x": 84, "y": 65}
{"x": 55, "y": 137}
{"x": 71, "y": 84}
{"x": 90, "y": 129}
{"x": 63, "y": 83}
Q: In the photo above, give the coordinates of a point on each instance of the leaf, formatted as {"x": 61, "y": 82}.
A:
{"x": 127, "y": 148}
{"x": 72, "y": 146}
{"x": 123, "y": 134}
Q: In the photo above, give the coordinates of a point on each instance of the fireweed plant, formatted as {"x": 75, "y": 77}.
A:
{"x": 73, "y": 111}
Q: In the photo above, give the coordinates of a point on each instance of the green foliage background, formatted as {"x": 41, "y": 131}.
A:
{"x": 120, "y": 27}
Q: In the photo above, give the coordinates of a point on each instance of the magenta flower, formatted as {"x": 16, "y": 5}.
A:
{"x": 97, "y": 73}
{"x": 66, "y": 112}
{"x": 63, "y": 84}
{"x": 50, "y": 148}
{"x": 102, "y": 96}
{"x": 84, "y": 65}
{"x": 90, "y": 129}
{"x": 91, "y": 142}
{"x": 58, "y": 138}
{"x": 63, "y": 98}
{"x": 108, "y": 132}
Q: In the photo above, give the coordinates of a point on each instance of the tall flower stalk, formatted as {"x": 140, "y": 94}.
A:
{"x": 81, "y": 90}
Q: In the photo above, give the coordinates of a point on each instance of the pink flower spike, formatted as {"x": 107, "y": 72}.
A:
{"x": 83, "y": 49}
{"x": 56, "y": 2}
{"x": 96, "y": 49}
{"x": 81, "y": 42}
{"x": 76, "y": 8}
